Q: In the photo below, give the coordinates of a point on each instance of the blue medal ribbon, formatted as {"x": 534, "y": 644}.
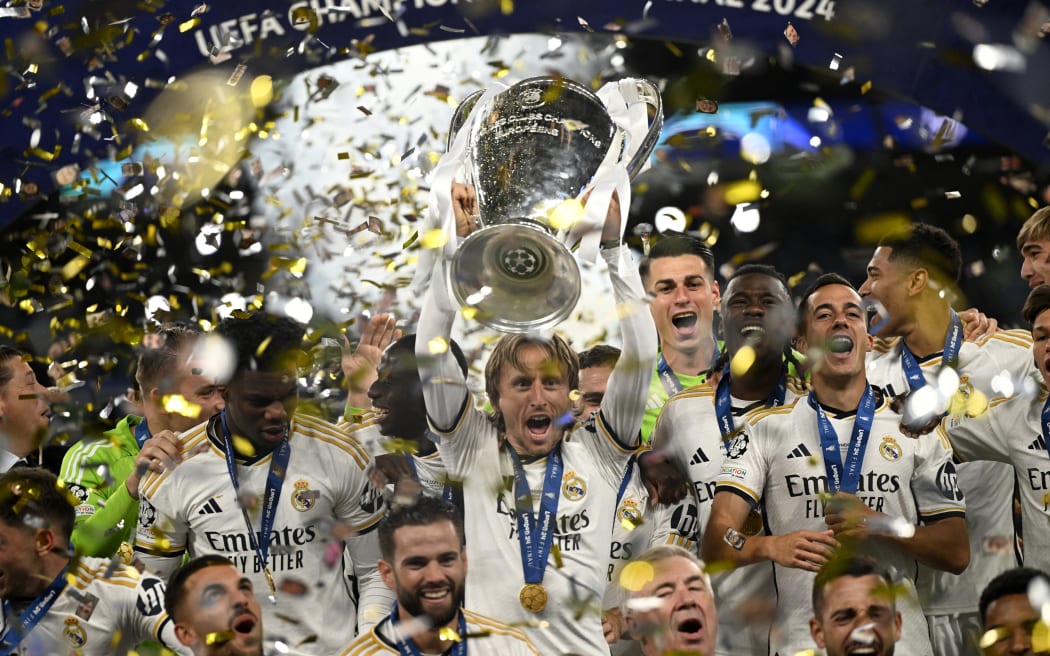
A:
{"x": 142, "y": 432}
{"x": 448, "y": 491}
{"x": 1046, "y": 424}
{"x": 668, "y": 378}
{"x": 724, "y": 404}
{"x": 627, "y": 472}
{"x": 536, "y": 534}
{"x": 274, "y": 483}
{"x": 949, "y": 356}
{"x": 846, "y": 477}
{"x": 31, "y": 616}
{"x": 407, "y": 647}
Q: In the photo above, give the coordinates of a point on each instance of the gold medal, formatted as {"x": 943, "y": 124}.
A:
{"x": 126, "y": 553}
{"x": 753, "y": 523}
{"x": 533, "y": 597}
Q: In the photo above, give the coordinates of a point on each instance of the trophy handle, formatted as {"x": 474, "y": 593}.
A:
{"x": 459, "y": 117}
{"x": 650, "y": 95}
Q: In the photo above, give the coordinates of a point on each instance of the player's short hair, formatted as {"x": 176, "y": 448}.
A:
{"x": 262, "y": 341}
{"x": 506, "y": 353}
{"x": 853, "y": 566}
{"x": 925, "y": 245}
{"x": 667, "y": 551}
{"x": 674, "y": 246}
{"x": 175, "y": 593}
{"x": 426, "y": 510}
{"x": 406, "y": 347}
{"x": 824, "y": 280}
{"x": 1036, "y": 228}
{"x": 7, "y": 373}
{"x": 762, "y": 270}
{"x": 1038, "y": 300}
{"x": 156, "y": 365}
{"x": 599, "y": 355}
{"x": 30, "y": 498}
{"x": 1011, "y": 582}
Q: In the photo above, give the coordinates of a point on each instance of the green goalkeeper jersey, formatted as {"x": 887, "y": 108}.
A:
{"x": 94, "y": 471}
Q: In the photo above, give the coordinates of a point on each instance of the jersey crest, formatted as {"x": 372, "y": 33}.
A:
{"x": 303, "y": 498}
{"x": 74, "y": 633}
{"x": 628, "y": 513}
{"x": 573, "y": 487}
{"x": 890, "y": 449}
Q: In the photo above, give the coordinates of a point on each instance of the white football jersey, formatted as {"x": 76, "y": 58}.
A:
{"x": 987, "y": 486}
{"x": 594, "y": 463}
{"x": 430, "y": 471}
{"x": 639, "y": 526}
{"x": 101, "y": 612}
{"x": 1010, "y": 432}
{"x": 688, "y": 432}
{"x": 194, "y": 508}
{"x": 778, "y": 459}
{"x": 486, "y": 636}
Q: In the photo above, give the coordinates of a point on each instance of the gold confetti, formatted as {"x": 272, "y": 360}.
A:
{"x": 72, "y": 268}
{"x": 437, "y": 346}
{"x": 237, "y": 74}
{"x": 178, "y": 404}
{"x": 565, "y": 214}
{"x": 218, "y": 637}
{"x": 634, "y": 576}
{"x": 742, "y": 361}
{"x": 262, "y": 91}
{"x": 243, "y": 446}
{"x": 433, "y": 238}
{"x": 743, "y": 191}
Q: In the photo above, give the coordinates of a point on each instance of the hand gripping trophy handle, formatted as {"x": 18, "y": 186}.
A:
{"x": 530, "y": 148}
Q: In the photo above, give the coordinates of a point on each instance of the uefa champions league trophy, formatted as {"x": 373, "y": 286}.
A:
{"x": 530, "y": 148}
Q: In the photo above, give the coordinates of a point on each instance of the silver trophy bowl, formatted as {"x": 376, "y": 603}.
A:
{"x": 530, "y": 148}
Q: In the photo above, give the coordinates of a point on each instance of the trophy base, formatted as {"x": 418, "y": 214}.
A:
{"x": 517, "y": 278}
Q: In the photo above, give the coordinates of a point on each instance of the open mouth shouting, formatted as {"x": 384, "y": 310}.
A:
{"x": 244, "y": 624}
{"x": 753, "y": 334}
{"x": 538, "y": 426}
{"x": 840, "y": 344}
{"x": 245, "y": 628}
{"x": 688, "y": 628}
{"x": 684, "y": 322}
{"x": 382, "y": 415}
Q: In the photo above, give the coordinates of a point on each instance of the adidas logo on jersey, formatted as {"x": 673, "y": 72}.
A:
{"x": 1038, "y": 445}
{"x": 699, "y": 457}
{"x": 210, "y": 508}
{"x": 799, "y": 451}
